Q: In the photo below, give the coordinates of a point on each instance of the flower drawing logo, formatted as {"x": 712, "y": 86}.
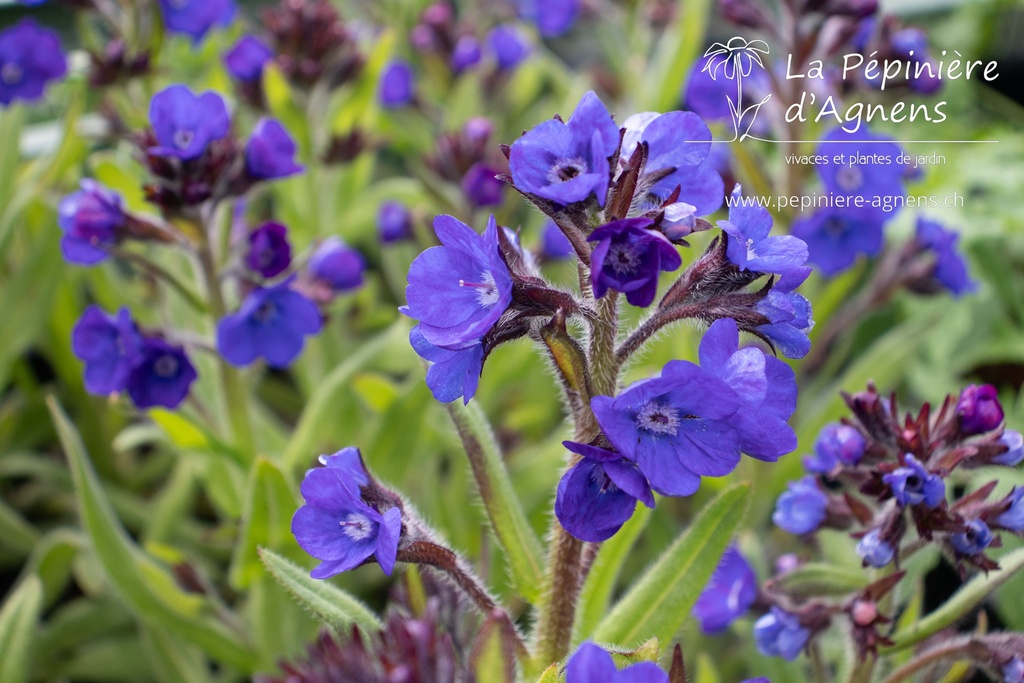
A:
{"x": 735, "y": 60}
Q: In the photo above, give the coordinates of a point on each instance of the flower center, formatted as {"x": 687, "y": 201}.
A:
{"x": 11, "y": 73}
{"x": 658, "y": 418}
{"x": 849, "y": 178}
{"x": 751, "y": 252}
{"x": 183, "y": 138}
{"x": 567, "y": 169}
{"x": 623, "y": 259}
{"x": 834, "y": 226}
{"x": 913, "y": 482}
{"x": 487, "y": 291}
{"x": 356, "y": 526}
{"x": 265, "y": 312}
{"x": 166, "y": 366}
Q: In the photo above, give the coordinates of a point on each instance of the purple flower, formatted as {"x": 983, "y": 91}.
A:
{"x": 1014, "y": 442}
{"x": 678, "y": 146}
{"x": 871, "y": 171}
{"x": 110, "y": 346}
{"x": 759, "y": 679}
{"x": 269, "y": 253}
{"x": 765, "y": 386}
{"x": 750, "y": 246}
{"x": 972, "y": 540}
{"x": 599, "y": 493}
{"x": 801, "y": 507}
{"x": 590, "y": 664}
{"x": 481, "y": 185}
{"x": 270, "y": 152}
{"x": 567, "y": 162}
{"x": 950, "y": 267}
{"x": 1013, "y": 671}
{"x": 162, "y": 376}
{"x": 337, "y": 265}
{"x": 185, "y": 124}
{"x": 779, "y": 634}
{"x": 1013, "y": 518}
{"x": 272, "y": 323}
{"x": 791, "y": 321}
{"x": 675, "y": 427}
{"x": 709, "y": 96}
{"x": 979, "y": 409}
{"x": 874, "y": 551}
{"x": 458, "y": 290}
{"x": 836, "y": 443}
{"x": 835, "y": 236}
{"x": 728, "y": 595}
{"x": 678, "y": 220}
{"x": 912, "y": 484}
{"x": 336, "y": 527}
{"x": 30, "y": 57}
{"x": 508, "y": 45}
{"x": 245, "y": 61}
{"x": 90, "y": 219}
{"x": 396, "y": 85}
{"x": 554, "y": 244}
{"x": 453, "y": 373}
{"x": 552, "y": 17}
{"x": 195, "y": 18}
{"x": 628, "y": 258}
{"x": 466, "y": 54}
{"x": 911, "y": 44}
{"x": 394, "y": 222}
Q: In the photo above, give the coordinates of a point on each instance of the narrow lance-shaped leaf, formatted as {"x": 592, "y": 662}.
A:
{"x": 17, "y": 629}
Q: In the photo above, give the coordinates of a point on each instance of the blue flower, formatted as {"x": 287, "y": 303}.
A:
{"x": 1013, "y": 518}
{"x": 599, "y": 493}
{"x": 554, "y": 244}
{"x": 195, "y": 18}
{"x": 185, "y": 124}
{"x": 837, "y": 443}
{"x": 1013, "y": 671}
{"x": 835, "y": 237}
{"x": 709, "y": 96}
{"x": 592, "y": 664}
{"x": 728, "y": 595}
{"x": 950, "y": 267}
{"x": 30, "y": 57}
{"x": 336, "y": 527}
{"x": 801, "y": 507}
{"x": 394, "y": 222}
{"x": 979, "y": 409}
{"x": 750, "y": 247}
{"x": 567, "y": 162}
{"x": 90, "y": 219}
{"x": 110, "y": 346}
{"x": 1014, "y": 442}
{"x": 678, "y": 146}
{"x": 246, "y": 59}
{"x": 454, "y": 372}
{"x": 269, "y": 252}
{"x": 871, "y": 173}
{"x": 270, "y": 152}
{"x": 912, "y": 484}
{"x": 779, "y": 634}
{"x": 972, "y": 540}
{"x": 458, "y": 290}
{"x": 552, "y": 17}
{"x": 481, "y": 185}
{"x": 396, "y": 85}
{"x": 628, "y": 258}
{"x": 765, "y": 386}
{"x": 508, "y": 45}
{"x": 162, "y": 376}
{"x": 466, "y": 54}
{"x": 874, "y": 551}
{"x": 271, "y": 323}
{"x": 337, "y": 265}
{"x": 675, "y": 427}
{"x": 791, "y": 321}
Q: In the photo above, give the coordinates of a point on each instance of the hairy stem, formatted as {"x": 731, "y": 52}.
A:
{"x": 953, "y": 651}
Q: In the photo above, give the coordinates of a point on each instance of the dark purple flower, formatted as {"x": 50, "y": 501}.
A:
{"x": 950, "y": 267}
{"x": 90, "y": 219}
{"x": 972, "y": 540}
{"x": 270, "y": 152}
{"x": 779, "y": 634}
{"x": 791, "y": 321}
{"x": 874, "y": 551}
{"x": 914, "y": 485}
{"x": 394, "y": 222}
{"x": 554, "y": 244}
{"x": 837, "y": 443}
{"x": 396, "y": 85}
{"x": 628, "y": 258}
{"x": 110, "y": 346}
{"x": 454, "y": 372}
{"x": 834, "y": 237}
{"x": 871, "y": 172}
{"x": 979, "y": 409}
{"x": 1013, "y": 518}
{"x": 801, "y": 507}
{"x": 599, "y": 493}
{"x": 765, "y": 386}
{"x": 337, "y": 265}
{"x": 481, "y": 185}
{"x": 30, "y": 57}
{"x": 508, "y": 46}
{"x": 750, "y": 247}
{"x": 552, "y": 17}
{"x": 728, "y": 595}
{"x": 678, "y": 220}
{"x": 675, "y": 427}
{"x": 458, "y": 290}
{"x": 185, "y": 124}
{"x": 269, "y": 252}
{"x": 678, "y": 146}
{"x": 1014, "y": 442}
{"x": 195, "y": 18}
{"x": 911, "y": 45}
{"x": 591, "y": 664}
{"x": 162, "y": 376}
{"x": 466, "y": 54}
{"x": 245, "y": 61}
{"x": 336, "y": 527}
{"x": 271, "y": 323}
{"x": 567, "y": 162}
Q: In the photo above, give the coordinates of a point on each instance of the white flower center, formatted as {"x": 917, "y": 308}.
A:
{"x": 849, "y": 178}
{"x": 356, "y": 526}
{"x": 11, "y": 73}
{"x": 183, "y": 138}
{"x": 567, "y": 169}
{"x": 165, "y": 366}
{"x": 658, "y": 418}
{"x": 623, "y": 259}
{"x": 486, "y": 290}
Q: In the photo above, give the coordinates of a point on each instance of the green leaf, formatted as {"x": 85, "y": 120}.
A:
{"x": 17, "y": 629}
{"x": 335, "y": 607}
{"x": 269, "y": 504}
{"x": 658, "y": 604}
{"x": 550, "y": 675}
{"x": 674, "y": 54}
{"x": 962, "y": 602}
{"x": 147, "y": 587}
{"x": 15, "y": 533}
{"x": 171, "y": 660}
{"x": 511, "y": 526}
{"x": 818, "y": 578}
